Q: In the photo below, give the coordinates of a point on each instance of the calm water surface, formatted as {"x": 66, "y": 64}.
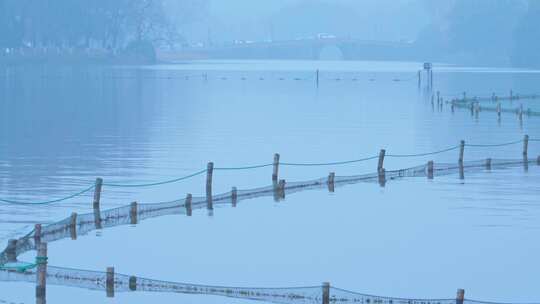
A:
{"x": 60, "y": 128}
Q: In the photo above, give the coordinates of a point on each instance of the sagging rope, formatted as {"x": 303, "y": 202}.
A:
{"x": 142, "y": 185}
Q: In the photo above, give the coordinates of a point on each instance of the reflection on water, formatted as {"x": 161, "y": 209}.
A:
{"x": 60, "y": 128}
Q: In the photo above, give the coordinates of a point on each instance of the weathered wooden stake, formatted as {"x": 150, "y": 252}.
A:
{"x": 11, "y": 250}
{"x": 382, "y": 178}
{"x": 525, "y": 145}
{"x": 133, "y": 213}
{"x": 460, "y": 297}
{"x": 380, "y": 165}
{"x": 37, "y": 234}
{"x": 96, "y": 203}
{"x": 488, "y": 163}
{"x": 461, "y": 151}
{"x": 281, "y": 187}
{"x": 110, "y": 282}
{"x": 430, "y": 169}
{"x": 276, "y": 167}
{"x": 234, "y": 196}
{"x": 209, "y": 172}
{"x": 132, "y": 283}
{"x": 331, "y": 180}
{"x": 73, "y": 226}
{"x": 326, "y": 293}
{"x": 189, "y": 209}
{"x": 461, "y": 171}
{"x": 41, "y": 273}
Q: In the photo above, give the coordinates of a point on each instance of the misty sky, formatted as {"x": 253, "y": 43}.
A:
{"x": 290, "y": 19}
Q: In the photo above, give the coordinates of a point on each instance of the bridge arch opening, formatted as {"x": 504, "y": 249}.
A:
{"x": 330, "y": 52}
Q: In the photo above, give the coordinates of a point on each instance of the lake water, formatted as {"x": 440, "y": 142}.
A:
{"x": 60, "y": 128}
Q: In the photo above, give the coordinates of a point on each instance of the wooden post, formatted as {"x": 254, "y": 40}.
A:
{"x": 461, "y": 171}
{"x": 110, "y": 282}
{"x": 382, "y": 178}
{"x": 438, "y": 97}
{"x": 209, "y": 172}
{"x": 460, "y": 297}
{"x": 461, "y": 151}
{"x": 488, "y": 164}
{"x": 317, "y": 78}
{"x": 276, "y": 167}
{"x": 525, "y": 145}
{"x": 11, "y": 251}
{"x": 132, "y": 283}
{"x": 73, "y": 226}
{"x": 430, "y": 169}
{"x": 234, "y": 196}
{"x": 511, "y": 95}
{"x": 189, "y": 209}
{"x": 326, "y": 293}
{"x": 41, "y": 273}
{"x": 499, "y": 109}
{"x": 133, "y": 213}
{"x": 96, "y": 203}
{"x": 37, "y": 235}
{"x": 331, "y": 180}
{"x": 281, "y": 187}
{"x": 380, "y": 165}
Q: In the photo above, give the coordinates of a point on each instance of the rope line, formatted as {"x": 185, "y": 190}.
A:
{"x": 495, "y": 145}
{"x": 141, "y": 185}
{"x": 329, "y": 164}
{"x": 156, "y": 183}
{"x": 242, "y": 168}
{"x": 13, "y": 202}
{"x": 423, "y": 154}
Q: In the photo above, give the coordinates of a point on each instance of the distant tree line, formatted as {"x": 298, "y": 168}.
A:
{"x": 83, "y": 25}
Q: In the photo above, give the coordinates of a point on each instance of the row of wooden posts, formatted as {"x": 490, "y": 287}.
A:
{"x": 279, "y": 188}
{"x": 279, "y": 185}
{"x": 476, "y": 108}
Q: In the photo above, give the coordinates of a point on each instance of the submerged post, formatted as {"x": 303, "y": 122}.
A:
{"x": 460, "y": 297}
{"x": 110, "y": 282}
{"x": 317, "y": 78}
{"x": 41, "y": 273}
{"x": 37, "y": 234}
{"x": 281, "y": 189}
{"x": 461, "y": 152}
{"x": 11, "y": 250}
{"x": 189, "y": 209}
{"x": 326, "y": 293}
{"x": 331, "y": 180}
{"x": 430, "y": 169}
{"x": 209, "y": 173}
{"x": 276, "y": 167}
{"x": 525, "y": 145}
{"x": 499, "y": 109}
{"x": 132, "y": 283}
{"x": 234, "y": 196}
{"x": 488, "y": 164}
{"x": 73, "y": 226}
{"x": 96, "y": 203}
{"x": 133, "y": 213}
{"x": 380, "y": 165}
